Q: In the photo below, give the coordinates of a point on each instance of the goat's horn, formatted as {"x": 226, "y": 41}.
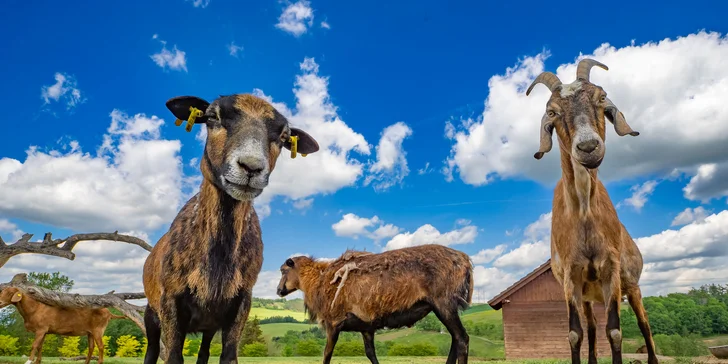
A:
{"x": 547, "y": 78}
{"x": 617, "y": 118}
{"x": 585, "y": 66}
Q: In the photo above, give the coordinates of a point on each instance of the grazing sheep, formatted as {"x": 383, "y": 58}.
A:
{"x": 42, "y": 319}
{"x": 392, "y": 289}
{"x": 200, "y": 275}
{"x": 592, "y": 254}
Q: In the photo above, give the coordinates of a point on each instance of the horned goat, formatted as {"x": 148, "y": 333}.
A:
{"x": 592, "y": 254}
{"x": 200, "y": 275}
{"x": 393, "y": 289}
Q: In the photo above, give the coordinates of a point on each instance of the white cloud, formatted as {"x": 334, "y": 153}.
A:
{"x": 533, "y": 251}
{"x": 296, "y": 18}
{"x": 353, "y": 226}
{"x": 489, "y": 281}
{"x": 689, "y": 215}
{"x": 200, "y": 3}
{"x": 234, "y": 49}
{"x": 426, "y": 169}
{"x": 710, "y": 181}
{"x": 64, "y": 89}
{"x": 639, "y": 195}
{"x": 384, "y": 232}
{"x": 133, "y": 182}
{"x": 658, "y": 86}
{"x": 390, "y": 167}
{"x": 487, "y": 255}
{"x": 303, "y": 204}
{"x": 325, "y": 25}
{"x": 8, "y": 227}
{"x": 174, "y": 59}
{"x": 428, "y": 234}
{"x": 333, "y": 167}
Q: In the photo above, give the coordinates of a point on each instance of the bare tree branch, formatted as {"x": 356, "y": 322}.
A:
{"x": 51, "y": 247}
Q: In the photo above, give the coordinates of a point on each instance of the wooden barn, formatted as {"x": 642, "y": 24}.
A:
{"x": 535, "y": 319}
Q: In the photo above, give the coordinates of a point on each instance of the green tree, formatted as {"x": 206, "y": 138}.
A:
{"x": 349, "y": 348}
{"x": 251, "y": 333}
{"x": 51, "y": 344}
{"x": 215, "y": 349}
{"x": 127, "y": 346}
{"x": 256, "y": 349}
{"x": 430, "y": 323}
{"x": 308, "y": 347}
{"x": 69, "y": 348}
{"x": 54, "y": 281}
{"x": 191, "y": 347}
{"x": 8, "y": 345}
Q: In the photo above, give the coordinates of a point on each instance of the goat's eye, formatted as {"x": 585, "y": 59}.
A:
{"x": 551, "y": 113}
{"x": 603, "y": 98}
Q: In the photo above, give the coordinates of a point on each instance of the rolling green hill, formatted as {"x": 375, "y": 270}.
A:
{"x": 262, "y": 313}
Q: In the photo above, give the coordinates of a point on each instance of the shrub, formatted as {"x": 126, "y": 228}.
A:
{"x": 308, "y": 348}
{"x": 418, "y": 349}
{"x": 255, "y": 350}
{"x": 287, "y": 350}
{"x": 215, "y": 349}
{"x": 8, "y": 345}
{"x": 69, "y": 348}
{"x": 430, "y": 323}
{"x": 676, "y": 345}
{"x": 127, "y": 346}
{"x": 349, "y": 348}
{"x": 191, "y": 347}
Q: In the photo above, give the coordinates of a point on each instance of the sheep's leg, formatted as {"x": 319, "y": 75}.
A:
{"x": 332, "y": 336}
{"x": 203, "y": 355}
{"x": 591, "y": 322}
{"x": 635, "y": 300}
{"x": 573, "y": 299}
{"x": 369, "y": 346}
{"x": 447, "y": 313}
{"x": 612, "y": 292}
{"x": 174, "y": 319}
{"x": 232, "y": 330}
{"x": 37, "y": 346}
{"x": 90, "y": 348}
{"x": 154, "y": 334}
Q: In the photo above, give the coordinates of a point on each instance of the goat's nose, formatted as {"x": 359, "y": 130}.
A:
{"x": 588, "y": 146}
{"x": 251, "y": 165}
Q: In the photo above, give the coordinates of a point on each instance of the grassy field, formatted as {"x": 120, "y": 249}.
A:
{"x": 479, "y": 347}
{"x": 262, "y": 313}
{"x": 309, "y": 360}
{"x": 272, "y": 330}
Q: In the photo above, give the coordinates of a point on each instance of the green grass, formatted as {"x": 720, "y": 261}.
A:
{"x": 295, "y": 360}
{"x": 475, "y": 308}
{"x": 262, "y": 313}
{"x": 485, "y": 316}
{"x": 479, "y": 347}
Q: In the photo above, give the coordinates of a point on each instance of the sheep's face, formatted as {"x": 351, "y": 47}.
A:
{"x": 577, "y": 111}
{"x": 290, "y": 277}
{"x": 10, "y": 296}
{"x": 245, "y": 135}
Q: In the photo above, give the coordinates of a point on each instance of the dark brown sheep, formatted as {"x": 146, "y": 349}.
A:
{"x": 42, "y": 319}
{"x": 391, "y": 289}
{"x": 200, "y": 275}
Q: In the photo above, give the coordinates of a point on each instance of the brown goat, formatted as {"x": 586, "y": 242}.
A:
{"x": 391, "y": 289}
{"x": 42, "y": 319}
{"x": 592, "y": 254}
{"x": 200, "y": 275}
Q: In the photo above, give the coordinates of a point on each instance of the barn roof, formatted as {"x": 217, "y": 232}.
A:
{"x": 497, "y": 302}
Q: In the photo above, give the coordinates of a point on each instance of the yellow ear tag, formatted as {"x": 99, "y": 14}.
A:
{"x": 294, "y": 146}
{"x": 178, "y": 122}
{"x": 194, "y": 114}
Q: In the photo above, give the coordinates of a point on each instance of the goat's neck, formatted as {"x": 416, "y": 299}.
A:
{"x": 27, "y": 306}
{"x": 222, "y": 211}
{"x": 580, "y": 185}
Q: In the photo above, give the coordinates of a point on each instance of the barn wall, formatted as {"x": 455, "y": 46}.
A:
{"x": 542, "y": 288}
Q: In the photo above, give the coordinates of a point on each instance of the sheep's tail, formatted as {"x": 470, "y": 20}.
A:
{"x": 466, "y": 289}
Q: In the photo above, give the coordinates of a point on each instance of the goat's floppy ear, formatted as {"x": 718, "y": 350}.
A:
{"x": 189, "y": 108}
{"x": 547, "y": 132}
{"x": 289, "y": 262}
{"x": 617, "y": 118}
{"x": 16, "y": 297}
{"x": 303, "y": 144}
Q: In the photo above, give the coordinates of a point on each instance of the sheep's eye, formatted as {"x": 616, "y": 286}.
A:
{"x": 551, "y": 113}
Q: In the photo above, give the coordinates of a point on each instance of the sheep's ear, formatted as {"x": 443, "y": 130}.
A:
{"x": 16, "y": 297}
{"x": 289, "y": 262}
{"x": 305, "y": 144}
{"x": 183, "y": 106}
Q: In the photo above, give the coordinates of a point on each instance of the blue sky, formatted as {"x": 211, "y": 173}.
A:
{"x": 412, "y": 102}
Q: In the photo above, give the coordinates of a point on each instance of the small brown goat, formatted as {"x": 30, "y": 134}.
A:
{"x": 392, "y": 289}
{"x": 200, "y": 275}
{"x": 592, "y": 254}
{"x": 42, "y": 319}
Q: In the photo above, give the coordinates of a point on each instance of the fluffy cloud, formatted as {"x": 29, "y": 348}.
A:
{"x": 390, "y": 167}
{"x": 303, "y": 204}
{"x": 64, "y": 90}
{"x": 534, "y": 250}
{"x": 639, "y": 195}
{"x": 658, "y": 86}
{"x": 487, "y": 255}
{"x": 689, "y": 215}
{"x": 133, "y": 181}
{"x": 174, "y": 59}
{"x": 296, "y": 18}
{"x": 10, "y": 228}
{"x": 325, "y": 25}
{"x": 234, "y": 49}
{"x": 428, "y": 234}
{"x": 332, "y": 167}
{"x": 353, "y": 226}
{"x": 709, "y": 182}
{"x": 488, "y": 282}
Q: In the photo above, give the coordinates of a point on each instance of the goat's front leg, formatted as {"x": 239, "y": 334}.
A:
{"x": 591, "y": 330}
{"x": 612, "y": 292}
{"x": 332, "y": 336}
{"x": 573, "y": 296}
{"x": 234, "y": 327}
{"x": 37, "y": 347}
{"x": 174, "y": 319}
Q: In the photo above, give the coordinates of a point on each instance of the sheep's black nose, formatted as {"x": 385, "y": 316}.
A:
{"x": 588, "y": 146}
{"x": 250, "y": 167}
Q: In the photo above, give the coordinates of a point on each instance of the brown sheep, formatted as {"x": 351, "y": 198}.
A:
{"x": 42, "y": 319}
{"x": 392, "y": 289}
{"x": 200, "y": 275}
{"x": 592, "y": 254}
